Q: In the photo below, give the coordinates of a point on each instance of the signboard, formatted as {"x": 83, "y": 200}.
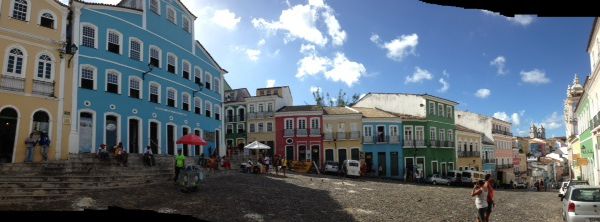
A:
{"x": 67, "y": 118}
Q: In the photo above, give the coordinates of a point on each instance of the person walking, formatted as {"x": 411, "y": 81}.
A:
{"x": 480, "y": 192}
{"x": 149, "y": 157}
{"x": 45, "y": 144}
{"x": 284, "y": 165}
{"x": 179, "y": 165}
{"x": 30, "y": 144}
{"x": 489, "y": 184}
{"x": 542, "y": 185}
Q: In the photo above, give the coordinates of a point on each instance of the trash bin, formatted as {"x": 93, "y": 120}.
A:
{"x": 190, "y": 178}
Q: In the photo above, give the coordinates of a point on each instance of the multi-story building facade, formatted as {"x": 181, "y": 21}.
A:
{"x": 501, "y": 131}
{"x": 142, "y": 79}
{"x": 574, "y": 93}
{"x": 585, "y": 140}
{"x": 298, "y": 136}
{"x": 468, "y": 149}
{"x": 482, "y": 124}
{"x": 436, "y": 115}
{"x": 261, "y": 114}
{"x": 488, "y": 157}
{"x": 34, "y": 56}
{"x": 235, "y": 118}
{"x": 342, "y": 134}
{"x": 382, "y": 142}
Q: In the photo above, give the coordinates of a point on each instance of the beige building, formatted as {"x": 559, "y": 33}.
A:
{"x": 261, "y": 111}
{"x": 501, "y": 131}
{"x": 468, "y": 149}
{"x": 342, "y": 133}
{"x": 32, "y": 81}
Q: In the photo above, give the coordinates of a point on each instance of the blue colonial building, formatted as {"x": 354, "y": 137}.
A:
{"x": 382, "y": 142}
{"x": 143, "y": 79}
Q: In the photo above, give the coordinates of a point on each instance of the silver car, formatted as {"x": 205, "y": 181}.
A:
{"x": 581, "y": 203}
{"x": 436, "y": 179}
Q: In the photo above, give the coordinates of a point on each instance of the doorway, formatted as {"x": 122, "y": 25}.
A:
{"x": 134, "y": 135}
{"x": 342, "y": 155}
{"x": 444, "y": 170}
{"x": 289, "y": 152}
{"x": 111, "y": 131}
{"x": 315, "y": 155}
{"x": 186, "y": 150}
{"x": 8, "y": 131}
{"x": 154, "y": 137}
{"x": 369, "y": 161}
{"x": 170, "y": 139}
{"x": 302, "y": 152}
{"x": 86, "y": 132}
{"x": 409, "y": 165}
{"x": 394, "y": 164}
{"x": 197, "y": 149}
{"x": 381, "y": 158}
{"x": 380, "y": 134}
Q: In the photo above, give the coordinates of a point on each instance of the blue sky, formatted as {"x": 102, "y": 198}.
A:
{"x": 516, "y": 69}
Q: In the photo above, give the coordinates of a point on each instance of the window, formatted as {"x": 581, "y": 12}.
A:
{"x": 260, "y": 127}
{"x": 197, "y": 76}
{"x": 207, "y": 78}
{"x": 207, "y": 108}
{"x": 449, "y": 112}
{"x": 135, "y": 49}
{"x": 154, "y": 93}
{"x": 197, "y": 105}
{"x": 41, "y": 122}
{"x": 442, "y": 135}
{"x": 186, "y": 24}
{"x": 15, "y": 62}
{"x": 217, "y": 83}
{"x": 114, "y": 42}
{"x": 431, "y": 108}
{"x": 88, "y": 37}
{"x": 229, "y": 131}
{"x": 240, "y": 128}
{"x": 251, "y": 108}
{"x": 155, "y": 6}
{"x": 155, "y": 54}
{"x": 171, "y": 16}
{"x": 329, "y": 155}
{"x": 450, "y": 135}
{"x": 289, "y": 124}
{"x": 432, "y": 133}
{"x": 217, "y": 112}
{"x": 368, "y": 131}
{"x": 171, "y": 97}
{"x": 441, "y": 110}
{"x": 186, "y": 69}
{"x": 270, "y": 107}
{"x": 269, "y": 127}
{"x": 302, "y": 124}
{"x": 134, "y": 87}
{"x": 261, "y": 108}
{"x": 44, "y": 67}
{"x": 393, "y": 130}
{"x": 434, "y": 167}
{"x": 252, "y": 128}
{"x": 171, "y": 63}
{"x": 47, "y": 20}
{"x": 420, "y": 133}
{"x": 185, "y": 101}
{"x": 112, "y": 82}
{"x": 314, "y": 123}
{"x": 88, "y": 76}
{"x": 20, "y": 9}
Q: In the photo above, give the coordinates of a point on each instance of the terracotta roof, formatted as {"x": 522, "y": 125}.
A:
{"x": 465, "y": 129}
{"x": 410, "y": 94}
{"x": 339, "y": 111}
{"x": 374, "y": 113}
{"x": 305, "y": 108}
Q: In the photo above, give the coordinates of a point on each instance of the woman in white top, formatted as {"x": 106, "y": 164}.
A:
{"x": 480, "y": 193}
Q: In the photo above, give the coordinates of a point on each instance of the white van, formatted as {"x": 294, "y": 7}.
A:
{"x": 351, "y": 168}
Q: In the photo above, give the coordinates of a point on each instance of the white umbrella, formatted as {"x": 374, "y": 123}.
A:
{"x": 257, "y": 146}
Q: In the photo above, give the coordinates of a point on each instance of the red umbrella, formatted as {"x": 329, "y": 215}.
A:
{"x": 192, "y": 139}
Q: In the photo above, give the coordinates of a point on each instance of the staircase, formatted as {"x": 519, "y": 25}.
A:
{"x": 30, "y": 182}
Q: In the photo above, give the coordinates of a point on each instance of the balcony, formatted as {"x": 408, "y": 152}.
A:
{"x": 260, "y": 115}
{"x": 420, "y": 142}
{"x": 354, "y": 135}
{"x": 489, "y": 161}
{"x": 328, "y": 136}
{"x": 234, "y": 118}
{"x": 12, "y": 83}
{"x": 315, "y": 132}
{"x": 506, "y": 133}
{"x": 367, "y": 139}
{"x": 395, "y": 139}
{"x": 341, "y": 136}
{"x": 434, "y": 143}
{"x": 301, "y": 132}
{"x": 468, "y": 153}
{"x": 382, "y": 139}
{"x": 408, "y": 143}
{"x": 43, "y": 88}
{"x": 288, "y": 132}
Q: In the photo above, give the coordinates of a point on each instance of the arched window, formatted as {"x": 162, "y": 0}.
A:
{"x": 15, "y": 62}
{"x": 88, "y": 36}
{"x": 88, "y": 77}
{"x": 154, "y": 93}
{"x": 155, "y": 54}
{"x": 44, "y": 69}
{"x": 135, "y": 49}
{"x": 155, "y": 6}
{"x": 198, "y": 75}
{"x": 114, "y": 42}
{"x": 47, "y": 20}
{"x": 185, "y": 101}
{"x": 134, "y": 88}
{"x": 112, "y": 82}
{"x": 216, "y": 84}
{"x": 197, "y": 105}
{"x": 171, "y": 16}
{"x": 207, "y": 80}
{"x": 186, "y": 24}
{"x": 171, "y": 63}
{"x": 217, "y": 112}
{"x": 41, "y": 122}
{"x": 186, "y": 70}
{"x": 172, "y": 97}
{"x": 207, "y": 108}
{"x": 20, "y": 9}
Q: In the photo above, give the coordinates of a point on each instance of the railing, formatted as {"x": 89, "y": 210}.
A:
{"x": 382, "y": 139}
{"x": 235, "y": 118}
{"x": 341, "y": 136}
{"x": 260, "y": 115}
{"x": 328, "y": 136}
{"x": 288, "y": 132}
{"x": 43, "y": 88}
{"x": 420, "y": 142}
{"x": 468, "y": 153}
{"x": 434, "y": 143}
{"x": 489, "y": 160}
{"x": 12, "y": 83}
{"x": 301, "y": 132}
{"x": 354, "y": 135}
{"x": 408, "y": 143}
{"x": 367, "y": 139}
{"x": 315, "y": 132}
{"x": 394, "y": 139}
{"x": 501, "y": 132}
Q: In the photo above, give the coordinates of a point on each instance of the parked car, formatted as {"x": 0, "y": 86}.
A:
{"x": 331, "y": 167}
{"x": 563, "y": 188}
{"x": 520, "y": 185}
{"x": 571, "y": 183}
{"x": 351, "y": 168}
{"x": 436, "y": 179}
{"x": 581, "y": 203}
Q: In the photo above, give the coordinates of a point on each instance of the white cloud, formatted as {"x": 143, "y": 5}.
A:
{"x": 445, "y": 85}
{"x": 398, "y": 48}
{"x": 502, "y": 116}
{"x": 554, "y": 121}
{"x": 446, "y": 74}
{"x": 308, "y": 49}
{"x": 483, "y": 93}
{"x": 300, "y": 21}
{"x": 535, "y": 76}
{"x": 418, "y": 76}
{"x": 499, "y": 62}
{"x": 253, "y": 54}
{"x": 226, "y": 19}
{"x": 515, "y": 119}
{"x": 345, "y": 70}
{"x": 312, "y": 65}
{"x": 315, "y": 88}
{"x": 523, "y": 20}
{"x": 270, "y": 83}
{"x": 261, "y": 42}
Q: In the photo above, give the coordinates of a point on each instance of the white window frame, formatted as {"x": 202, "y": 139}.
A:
{"x": 409, "y": 128}
{"x": 159, "y": 91}
{"x": 305, "y": 122}
{"x": 189, "y": 66}
{"x": 442, "y": 135}
{"x": 12, "y": 9}
{"x": 269, "y": 129}
{"x": 286, "y": 121}
{"x": 108, "y": 31}
{"x": 197, "y": 70}
{"x": 432, "y": 136}
{"x": 119, "y": 82}
{"x": 83, "y": 25}
{"x": 397, "y": 133}
{"x": 37, "y": 66}
{"x": 216, "y": 108}
{"x": 208, "y": 106}
{"x": 23, "y": 67}
{"x": 157, "y": 6}
{"x": 217, "y": 85}
{"x": 450, "y": 135}
{"x": 436, "y": 168}
{"x": 169, "y": 54}
{"x": 207, "y": 75}
{"x": 199, "y": 100}
{"x": 422, "y": 128}
{"x": 431, "y": 105}
{"x": 368, "y": 131}
{"x": 449, "y": 112}
{"x": 141, "y": 85}
{"x": 175, "y": 97}
{"x": 95, "y": 73}
{"x": 189, "y": 22}
{"x": 171, "y": 9}
{"x": 141, "y": 52}
{"x": 55, "y": 18}
{"x": 317, "y": 121}
{"x": 189, "y": 101}
{"x": 159, "y": 55}
{"x": 441, "y": 110}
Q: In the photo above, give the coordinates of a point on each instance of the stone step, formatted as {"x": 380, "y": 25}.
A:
{"x": 77, "y": 184}
{"x": 92, "y": 171}
{"x": 80, "y": 178}
{"x": 69, "y": 190}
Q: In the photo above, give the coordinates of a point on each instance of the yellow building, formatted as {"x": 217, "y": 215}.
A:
{"x": 342, "y": 137}
{"x": 468, "y": 149}
{"x": 32, "y": 80}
